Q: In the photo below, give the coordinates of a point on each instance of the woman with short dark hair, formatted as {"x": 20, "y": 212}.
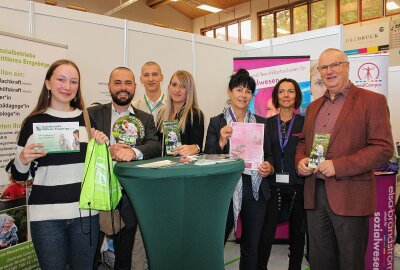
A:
{"x": 252, "y": 191}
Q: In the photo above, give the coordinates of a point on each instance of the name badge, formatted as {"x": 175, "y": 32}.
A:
{"x": 282, "y": 178}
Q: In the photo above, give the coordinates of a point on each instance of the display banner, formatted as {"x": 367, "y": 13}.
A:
{"x": 267, "y": 71}
{"x": 370, "y": 71}
{"x": 381, "y": 241}
{"x": 23, "y": 66}
{"x": 373, "y": 38}
{"x": 394, "y": 33}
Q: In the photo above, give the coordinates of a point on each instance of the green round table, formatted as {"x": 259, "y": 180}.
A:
{"x": 182, "y": 211}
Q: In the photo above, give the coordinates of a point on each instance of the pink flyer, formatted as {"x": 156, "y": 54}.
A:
{"x": 247, "y": 143}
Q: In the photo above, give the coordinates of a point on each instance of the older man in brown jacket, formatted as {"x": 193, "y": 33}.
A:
{"x": 340, "y": 194}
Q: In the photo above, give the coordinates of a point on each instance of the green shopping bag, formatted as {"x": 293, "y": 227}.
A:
{"x": 100, "y": 188}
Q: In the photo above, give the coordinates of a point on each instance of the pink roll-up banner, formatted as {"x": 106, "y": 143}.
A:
{"x": 267, "y": 71}
{"x": 380, "y": 250}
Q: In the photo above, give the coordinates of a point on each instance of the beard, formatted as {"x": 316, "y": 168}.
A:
{"x": 124, "y": 101}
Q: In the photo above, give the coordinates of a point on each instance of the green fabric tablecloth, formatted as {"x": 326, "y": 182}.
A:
{"x": 182, "y": 211}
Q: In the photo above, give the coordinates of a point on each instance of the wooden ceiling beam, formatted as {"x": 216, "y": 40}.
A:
{"x": 155, "y": 3}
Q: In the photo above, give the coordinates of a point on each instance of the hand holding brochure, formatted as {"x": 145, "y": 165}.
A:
{"x": 247, "y": 143}
{"x": 57, "y": 137}
{"x": 318, "y": 150}
{"x": 172, "y": 137}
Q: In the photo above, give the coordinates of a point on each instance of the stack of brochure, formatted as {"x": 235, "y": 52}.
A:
{"x": 157, "y": 164}
{"x": 213, "y": 159}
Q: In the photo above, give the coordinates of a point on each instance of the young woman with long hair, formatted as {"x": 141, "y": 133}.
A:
{"x": 182, "y": 105}
{"x": 61, "y": 233}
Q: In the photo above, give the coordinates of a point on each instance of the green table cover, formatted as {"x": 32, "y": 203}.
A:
{"x": 182, "y": 211}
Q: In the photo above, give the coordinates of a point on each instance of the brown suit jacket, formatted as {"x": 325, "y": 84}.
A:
{"x": 361, "y": 141}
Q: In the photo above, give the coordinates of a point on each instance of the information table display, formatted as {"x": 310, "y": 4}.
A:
{"x": 182, "y": 211}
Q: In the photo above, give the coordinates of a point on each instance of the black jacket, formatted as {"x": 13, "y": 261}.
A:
{"x": 212, "y": 145}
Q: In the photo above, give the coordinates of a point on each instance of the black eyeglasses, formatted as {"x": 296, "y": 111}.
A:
{"x": 334, "y": 66}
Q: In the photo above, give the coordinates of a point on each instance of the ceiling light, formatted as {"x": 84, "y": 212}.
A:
{"x": 209, "y": 8}
{"x": 392, "y": 5}
{"x": 77, "y": 8}
{"x": 118, "y": 8}
{"x": 174, "y": 0}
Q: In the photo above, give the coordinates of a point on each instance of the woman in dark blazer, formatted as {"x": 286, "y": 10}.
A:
{"x": 252, "y": 192}
{"x": 182, "y": 105}
{"x": 286, "y": 186}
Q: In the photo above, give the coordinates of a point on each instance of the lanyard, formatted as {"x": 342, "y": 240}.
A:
{"x": 232, "y": 114}
{"x": 283, "y": 143}
{"x": 158, "y": 104}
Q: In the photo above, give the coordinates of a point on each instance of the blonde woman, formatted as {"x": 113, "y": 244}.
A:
{"x": 182, "y": 105}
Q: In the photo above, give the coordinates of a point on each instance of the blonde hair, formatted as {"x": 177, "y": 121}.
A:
{"x": 151, "y": 63}
{"x": 314, "y": 69}
{"x": 186, "y": 79}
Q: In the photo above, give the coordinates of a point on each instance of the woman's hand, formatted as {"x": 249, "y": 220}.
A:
{"x": 265, "y": 169}
{"x": 225, "y": 134}
{"x": 99, "y": 136}
{"x": 31, "y": 152}
{"x": 185, "y": 150}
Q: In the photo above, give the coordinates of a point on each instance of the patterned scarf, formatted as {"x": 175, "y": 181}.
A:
{"x": 255, "y": 177}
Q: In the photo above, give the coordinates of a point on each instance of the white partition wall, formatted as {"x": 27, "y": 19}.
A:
{"x": 209, "y": 60}
{"x": 214, "y": 64}
{"x": 15, "y": 17}
{"x": 95, "y": 43}
{"x": 394, "y": 101}
{"x": 307, "y": 43}
{"x": 171, "y": 49}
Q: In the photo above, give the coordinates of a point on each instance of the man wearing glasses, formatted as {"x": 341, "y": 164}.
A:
{"x": 339, "y": 194}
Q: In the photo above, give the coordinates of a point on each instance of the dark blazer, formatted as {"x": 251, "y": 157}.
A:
{"x": 194, "y": 130}
{"x": 150, "y": 147}
{"x": 361, "y": 141}
{"x": 212, "y": 144}
{"x": 194, "y": 133}
{"x": 290, "y": 149}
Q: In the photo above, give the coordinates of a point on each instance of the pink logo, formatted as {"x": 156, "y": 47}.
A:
{"x": 368, "y": 71}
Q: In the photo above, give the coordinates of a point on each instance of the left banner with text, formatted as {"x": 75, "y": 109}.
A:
{"x": 23, "y": 65}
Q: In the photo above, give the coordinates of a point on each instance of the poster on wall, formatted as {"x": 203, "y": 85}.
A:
{"x": 23, "y": 66}
{"x": 370, "y": 71}
{"x": 317, "y": 86}
{"x": 267, "y": 71}
{"x": 373, "y": 38}
{"x": 395, "y": 33}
